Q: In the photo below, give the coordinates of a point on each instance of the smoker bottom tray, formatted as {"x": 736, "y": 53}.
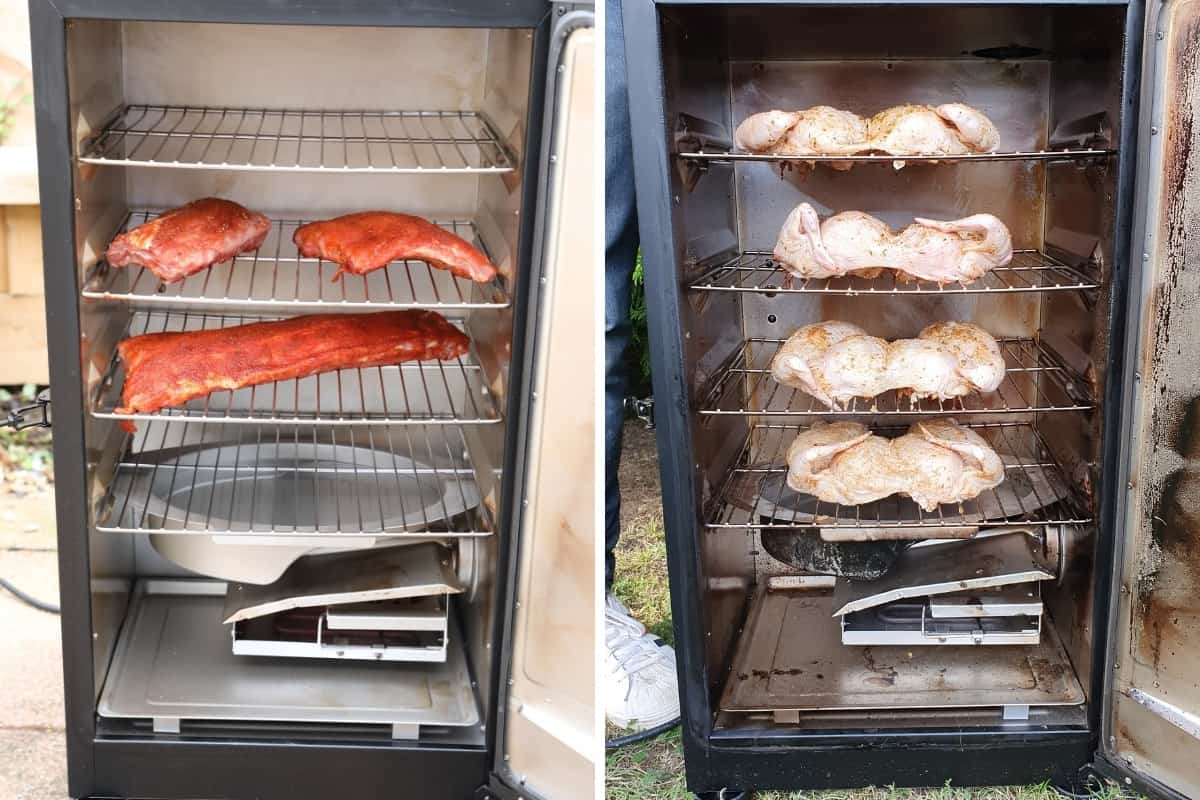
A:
{"x": 790, "y": 658}
{"x": 173, "y": 663}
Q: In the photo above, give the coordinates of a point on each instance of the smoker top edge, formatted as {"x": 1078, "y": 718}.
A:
{"x": 401, "y": 13}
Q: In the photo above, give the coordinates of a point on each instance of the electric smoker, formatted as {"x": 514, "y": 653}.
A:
{"x": 1068, "y": 656}
{"x": 343, "y": 583}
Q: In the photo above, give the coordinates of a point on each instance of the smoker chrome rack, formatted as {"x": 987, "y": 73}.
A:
{"x": 1036, "y": 489}
{"x": 417, "y": 392}
{"x": 1068, "y": 154}
{"x": 757, "y": 271}
{"x": 1036, "y": 379}
{"x": 301, "y": 482}
{"x": 295, "y": 140}
{"x": 271, "y": 278}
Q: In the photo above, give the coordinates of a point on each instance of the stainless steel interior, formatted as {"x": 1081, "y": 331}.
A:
{"x": 1049, "y": 77}
{"x": 299, "y": 123}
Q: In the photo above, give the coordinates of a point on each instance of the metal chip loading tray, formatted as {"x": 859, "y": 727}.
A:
{"x": 173, "y": 664}
{"x": 790, "y": 658}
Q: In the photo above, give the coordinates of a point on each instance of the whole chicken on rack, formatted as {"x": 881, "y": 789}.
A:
{"x": 834, "y": 361}
{"x": 907, "y": 130}
{"x": 855, "y": 243}
{"x": 937, "y": 461}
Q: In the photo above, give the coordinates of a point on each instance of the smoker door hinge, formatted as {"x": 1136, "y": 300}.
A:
{"x": 32, "y": 416}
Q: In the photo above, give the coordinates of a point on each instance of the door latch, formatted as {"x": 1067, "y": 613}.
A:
{"x": 31, "y": 416}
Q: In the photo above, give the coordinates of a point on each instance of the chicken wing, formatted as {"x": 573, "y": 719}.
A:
{"x": 936, "y": 461}
{"x": 835, "y": 361}
{"x": 855, "y": 243}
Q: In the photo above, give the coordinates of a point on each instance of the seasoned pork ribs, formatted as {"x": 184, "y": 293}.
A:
{"x": 367, "y": 240}
{"x": 190, "y": 238}
{"x": 168, "y": 369}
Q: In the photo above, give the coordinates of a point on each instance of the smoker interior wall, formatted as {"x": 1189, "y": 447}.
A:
{"x": 1060, "y": 65}
{"x": 308, "y": 68}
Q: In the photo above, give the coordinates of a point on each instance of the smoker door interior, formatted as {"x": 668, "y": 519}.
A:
{"x": 300, "y": 122}
{"x": 546, "y": 741}
{"x": 1152, "y": 703}
{"x": 1049, "y": 308}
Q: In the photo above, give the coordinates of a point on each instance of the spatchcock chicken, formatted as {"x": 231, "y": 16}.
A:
{"x": 936, "y": 461}
{"x": 855, "y": 243}
{"x": 834, "y": 361}
{"x": 907, "y": 130}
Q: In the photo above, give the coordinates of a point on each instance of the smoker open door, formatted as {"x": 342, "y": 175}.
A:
{"x": 547, "y": 738}
{"x": 1151, "y": 726}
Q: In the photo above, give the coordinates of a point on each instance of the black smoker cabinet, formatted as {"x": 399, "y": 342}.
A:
{"x": 1092, "y": 177}
{"x": 307, "y": 110}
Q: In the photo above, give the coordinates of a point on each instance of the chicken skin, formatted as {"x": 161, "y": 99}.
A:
{"x": 835, "y": 361}
{"x": 855, "y": 243}
{"x": 936, "y": 461}
{"x": 906, "y": 130}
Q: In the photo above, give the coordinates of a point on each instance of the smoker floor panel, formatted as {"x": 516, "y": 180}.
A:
{"x": 790, "y": 657}
{"x": 174, "y": 662}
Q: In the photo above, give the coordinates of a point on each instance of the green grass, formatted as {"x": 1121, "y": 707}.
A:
{"x": 653, "y": 770}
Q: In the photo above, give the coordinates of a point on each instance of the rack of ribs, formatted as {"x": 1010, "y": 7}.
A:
{"x": 367, "y": 240}
{"x": 190, "y": 238}
{"x": 168, "y": 369}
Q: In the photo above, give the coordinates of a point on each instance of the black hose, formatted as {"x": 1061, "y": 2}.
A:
{"x": 40, "y": 605}
{"x": 640, "y": 736}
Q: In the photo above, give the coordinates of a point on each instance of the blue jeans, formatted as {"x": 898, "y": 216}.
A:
{"x": 620, "y": 253}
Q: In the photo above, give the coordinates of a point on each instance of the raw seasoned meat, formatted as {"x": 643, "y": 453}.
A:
{"x": 937, "y": 461}
{"x": 947, "y": 129}
{"x": 168, "y": 369}
{"x": 368, "y": 240}
{"x": 834, "y": 361}
{"x": 855, "y": 243}
{"x": 190, "y": 238}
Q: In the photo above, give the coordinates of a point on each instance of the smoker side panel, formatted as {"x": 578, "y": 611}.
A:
{"x": 1151, "y": 724}
{"x": 546, "y": 746}
{"x": 663, "y": 247}
{"x": 56, "y": 184}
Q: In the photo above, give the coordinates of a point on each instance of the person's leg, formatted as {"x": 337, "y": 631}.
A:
{"x": 621, "y": 243}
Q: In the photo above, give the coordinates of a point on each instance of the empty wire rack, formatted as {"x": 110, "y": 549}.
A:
{"x": 416, "y": 392}
{"x": 1065, "y": 154}
{"x": 297, "y": 482}
{"x": 757, "y": 271}
{"x": 753, "y": 494}
{"x": 276, "y": 276}
{"x": 295, "y": 140}
{"x": 1035, "y": 379}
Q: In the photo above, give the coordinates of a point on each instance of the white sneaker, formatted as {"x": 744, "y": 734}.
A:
{"x": 641, "y": 690}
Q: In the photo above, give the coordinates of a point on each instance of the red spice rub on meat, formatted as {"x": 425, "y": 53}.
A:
{"x": 368, "y": 240}
{"x": 168, "y": 369}
{"x": 190, "y": 238}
